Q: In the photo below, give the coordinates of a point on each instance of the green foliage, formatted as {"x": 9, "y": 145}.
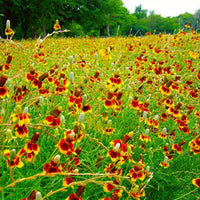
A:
{"x": 139, "y": 12}
{"x": 30, "y": 19}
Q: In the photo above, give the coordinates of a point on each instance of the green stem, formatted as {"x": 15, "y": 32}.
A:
{"x": 186, "y": 194}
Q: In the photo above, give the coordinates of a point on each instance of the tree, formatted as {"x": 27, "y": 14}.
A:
{"x": 139, "y": 12}
{"x": 197, "y": 20}
{"x": 186, "y": 18}
{"x": 101, "y": 14}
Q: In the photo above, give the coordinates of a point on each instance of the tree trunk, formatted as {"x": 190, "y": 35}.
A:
{"x": 102, "y": 32}
{"x": 108, "y": 30}
{"x": 43, "y": 27}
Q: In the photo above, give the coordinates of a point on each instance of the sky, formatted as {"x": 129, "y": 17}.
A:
{"x": 165, "y": 8}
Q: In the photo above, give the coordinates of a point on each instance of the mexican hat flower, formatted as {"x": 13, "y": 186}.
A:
{"x": 14, "y": 159}
{"x": 3, "y": 90}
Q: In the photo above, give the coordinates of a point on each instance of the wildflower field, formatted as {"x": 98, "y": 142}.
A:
{"x": 100, "y": 118}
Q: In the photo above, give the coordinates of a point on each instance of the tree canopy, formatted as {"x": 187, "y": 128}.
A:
{"x": 87, "y": 17}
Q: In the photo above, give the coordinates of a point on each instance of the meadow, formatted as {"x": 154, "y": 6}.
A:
{"x": 100, "y": 118}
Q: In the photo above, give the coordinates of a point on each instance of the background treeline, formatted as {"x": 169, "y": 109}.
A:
{"x": 31, "y": 19}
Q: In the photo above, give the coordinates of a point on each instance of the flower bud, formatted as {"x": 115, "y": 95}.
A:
{"x": 156, "y": 117}
{"x": 35, "y": 137}
{"x": 26, "y": 109}
{"x": 119, "y": 95}
{"x": 38, "y": 196}
{"x": 117, "y": 146}
{"x": 98, "y": 162}
{"x": 8, "y": 83}
{"x": 135, "y": 189}
{"x": 76, "y": 56}
{"x": 178, "y": 105}
{"x": 71, "y": 76}
{"x": 56, "y": 112}
{"x": 62, "y": 119}
{"x": 32, "y": 195}
{"x": 43, "y": 76}
{"x": 56, "y": 132}
{"x": 57, "y": 22}
{"x": 129, "y": 150}
{"x": 147, "y": 132}
{"x": 41, "y": 99}
{"x": 127, "y": 137}
{"x": 80, "y": 190}
{"x": 71, "y": 60}
{"x": 3, "y": 111}
{"x": 81, "y": 118}
{"x": 130, "y": 134}
{"x": 71, "y": 135}
{"x": 13, "y": 154}
{"x": 164, "y": 130}
{"x": 165, "y": 159}
{"x": 118, "y": 165}
{"x": 3, "y": 80}
{"x": 78, "y": 150}
{"x": 148, "y": 169}
{"x": 8, "y": 24}
{"x": 144, "y": 114}
{"x": 56, "y": 159}
{"x": 130, "y": 99}
{"x": 109, "y": 123}
{"x": 84, "y": 99}
{"x": 9, "y": 134}
{"x": 76, "y": 171}
{"x": 18, "y": 109}
{"x": 114, "y": 197}
{"x": 96, "y": 75}
{"x": 96, "y": 56}
{"x": 61, "y": 81}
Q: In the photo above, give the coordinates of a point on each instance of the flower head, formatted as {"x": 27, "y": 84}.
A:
{"x": 13, "y": 158}
{"x": 196, "y": 182}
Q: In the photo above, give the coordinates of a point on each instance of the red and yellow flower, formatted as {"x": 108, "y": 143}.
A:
{"x": 3, "y": 90}
{"x": 195, "y": 146}
{"x": 196, "y": 182}
{"x": 145, "y": 138}
{"x": 178, "y": 147}
{"x": 104, "y": 53}
{"x": 108, "y": 187}
{"x": 165, "y": 90}
{"x": 21, "y": 131}
{"x": 57, "y": 25}
{"x": 112, "y": 169}
{"x": 13, "y": 158}
{"x": 53, "y": 119}
{"x": 114, "y": 82}
{"x": 76, "y": 99}
{"x": 65, "y": 146}
{"x": 165, "y": 163}
{"x": 136, "y": 193}
{"x": 77, "y": 195}
{"x": 52, "y": 166}
{"x": 9, "y": 31}
{"x": 137, "y": 172}
{"x": 108, "y": 130}
{"x": 32, "y": 148}
{"x": 95, "y": 78}
{"x": 23, "y": 118}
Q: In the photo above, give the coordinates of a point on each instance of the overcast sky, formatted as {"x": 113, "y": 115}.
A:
{"x": 165, "y": 7}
